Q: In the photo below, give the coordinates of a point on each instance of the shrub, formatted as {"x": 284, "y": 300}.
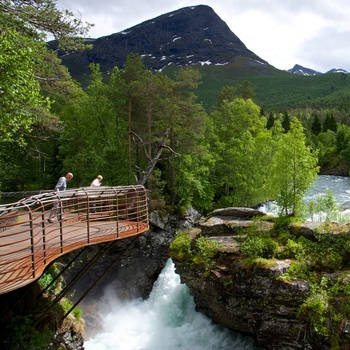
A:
{"x": 260, "y": 247}
{"x": 314, "y": 311}
{"x": 180, "y": 247}
{"x": 295, "y": 249}
{"x": 206, "y": 248}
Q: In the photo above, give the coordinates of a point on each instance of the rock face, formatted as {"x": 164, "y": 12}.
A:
{"x": 251, "y": 301}
{"x": 250, "y": 298}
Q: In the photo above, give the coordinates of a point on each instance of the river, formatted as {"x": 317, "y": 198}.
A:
{"x": 168, "y": 320}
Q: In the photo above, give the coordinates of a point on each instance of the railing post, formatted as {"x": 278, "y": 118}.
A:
{"x": 43, "y": 230}
{"x": 32, "y": 242}
{"x": 60, "y": 217}
{"x": 87, "y": 216}
{"x": 116, "y": 210}
{"x": 31, "y": 233}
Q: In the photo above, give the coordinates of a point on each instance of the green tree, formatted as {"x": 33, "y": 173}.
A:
{"x": 40, "y": 18}
{"x": 133, "y": 72}
{"x": 247, "y": 90}
{"x": 286, "y": 122}
{"x": 316, "y": 127}
{"x": 294, "y": 169}
{"x": 270, "y": 121}
{"x": 243, "y": 149}
{"x": 94, "y": 138}
{"x": 186, "y": 138}
{"x": 21, "y": 100}
{"x": 227, "y": 93}
{"x": 33, "y": 86}
{"x": 330, "y": 123}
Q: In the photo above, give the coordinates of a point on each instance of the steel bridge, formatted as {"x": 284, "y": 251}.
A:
{"x": 83, "y": 216}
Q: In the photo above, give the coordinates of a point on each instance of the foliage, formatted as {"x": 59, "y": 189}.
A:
{"x": 259, "y": 247}
{"x": 276, "y": 90}
{"x": 242, "y": 147}
{"x": 43, "y": 17}
{"x": 294, "y": 169}
{"x": 21, "y": 99}
{"x": 94, "y": 140}
{"x": 33, "y": 85}
{"x": 200, "y": 250}
{"x": 22, "y": 335}
{"x": 180, "y": 247}
{"x": 207, "y": 249}
{"x": 314, "y": 310}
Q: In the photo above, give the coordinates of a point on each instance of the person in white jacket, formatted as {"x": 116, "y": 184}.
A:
{"x": 96, "y": 183}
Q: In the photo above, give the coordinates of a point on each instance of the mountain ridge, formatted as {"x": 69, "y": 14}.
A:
{"x": 188, "y": 36}
{"x": 300, "y": 70}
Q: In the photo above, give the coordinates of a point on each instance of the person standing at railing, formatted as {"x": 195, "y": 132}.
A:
{"x": 96, "y": 183}
{"x": 60, "y": 187}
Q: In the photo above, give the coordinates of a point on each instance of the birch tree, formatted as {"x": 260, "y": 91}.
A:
{"x": 294, "y": 169}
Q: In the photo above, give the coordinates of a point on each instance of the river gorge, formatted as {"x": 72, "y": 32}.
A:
{"x": 168, "y": 319}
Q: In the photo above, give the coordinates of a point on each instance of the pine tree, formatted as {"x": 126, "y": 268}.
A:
{"x": 270, "y": 121}
{"x": 316, "y": 126}
{"x": 330, "y": 123}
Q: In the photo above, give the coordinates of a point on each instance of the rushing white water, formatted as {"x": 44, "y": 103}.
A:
{"x": 166, "y": 321}
{"x": 338, "y": 185}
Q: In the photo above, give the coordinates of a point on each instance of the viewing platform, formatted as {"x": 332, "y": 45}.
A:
{"x": 84, "y": 216}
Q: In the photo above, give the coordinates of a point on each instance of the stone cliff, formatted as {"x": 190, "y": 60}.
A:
{"x": 285, "y": 284}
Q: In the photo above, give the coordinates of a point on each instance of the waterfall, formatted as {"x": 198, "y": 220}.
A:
{"x": 167, "y": 320}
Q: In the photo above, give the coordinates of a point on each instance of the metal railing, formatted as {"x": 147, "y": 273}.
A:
{"x": 81, "y": 216}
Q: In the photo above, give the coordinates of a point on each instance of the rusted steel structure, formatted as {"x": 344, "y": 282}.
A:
{"x": 84, "y": 216}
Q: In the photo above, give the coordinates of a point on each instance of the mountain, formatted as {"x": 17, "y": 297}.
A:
{"x": 190, "y": 35}
{"x": 337, "y": 70}
{"x": 300, "y": 70}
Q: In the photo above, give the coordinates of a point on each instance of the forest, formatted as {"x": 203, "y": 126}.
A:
{"x": 139, "y": 126}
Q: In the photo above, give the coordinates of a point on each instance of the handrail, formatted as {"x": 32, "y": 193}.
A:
{"x": 83, "y": 216}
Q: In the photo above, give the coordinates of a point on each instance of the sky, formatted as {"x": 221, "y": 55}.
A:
{"x": 312, "y": 33}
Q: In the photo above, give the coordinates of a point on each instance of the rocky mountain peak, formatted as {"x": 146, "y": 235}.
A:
{"x": 189, "y": 35}
{"x": 300, "y": 70}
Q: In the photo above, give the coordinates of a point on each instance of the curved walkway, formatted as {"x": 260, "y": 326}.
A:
{"x": 84, "y": 216}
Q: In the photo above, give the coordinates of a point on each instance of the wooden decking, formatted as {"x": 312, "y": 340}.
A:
{"x": 28, "y": 242}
